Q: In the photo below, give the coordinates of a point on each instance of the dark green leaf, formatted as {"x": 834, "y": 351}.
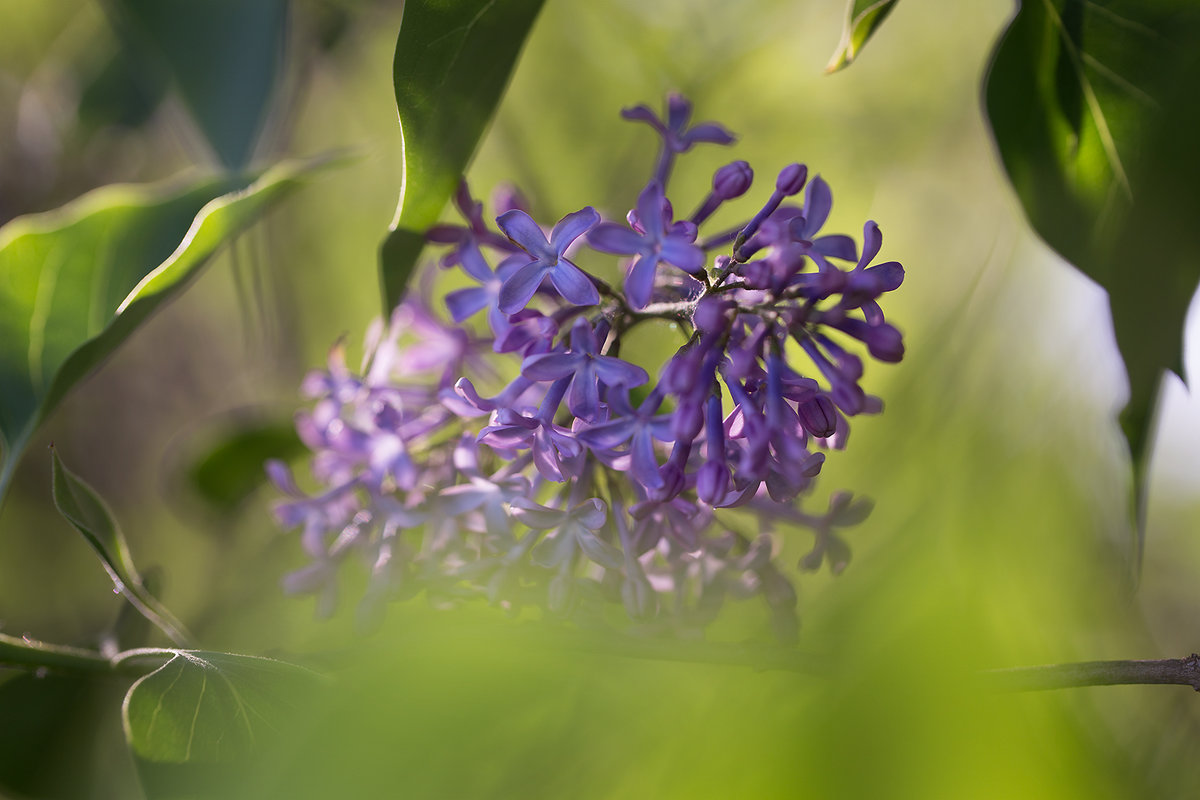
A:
{"x": 76, "y": 282}
{"x": 84, "y": 509}
{"x": 122, "y": 91}
{"x": 224, "y": 56}
{"x": 212, "y": 707}
{"x": 231, "y": 470}
{"x": 863, "y": 18}
{"x": 44, "y": 722}
{"x": 1093, "y": 109}
{"x": 453, "y": 61}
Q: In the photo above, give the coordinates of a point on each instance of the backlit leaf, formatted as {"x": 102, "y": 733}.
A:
{"x": 1093, "y": 109}
{"x": 863, "y": 18}
{"x": 76, "y": 282}
{"x": 453, "y": 61}
{"x": 89, "y": 515}
{"x": 210, "y": 707}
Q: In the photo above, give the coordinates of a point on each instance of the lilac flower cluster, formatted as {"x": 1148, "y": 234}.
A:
{"x": 579, "y": 475}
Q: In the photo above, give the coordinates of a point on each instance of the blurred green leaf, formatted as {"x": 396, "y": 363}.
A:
{"x": 1093, "y": 109}
{"x": 45, "y": 722}
{"x": 225, "y": 57}
{"x": 231, "y": 470}
{"x": 210, "y": 707}
{"x": 121, "y": 91}
{"x": 863, "y": 18}
{"x": 76, "y": 282}
{"x": 453, "y": 61}
{"x": 84, "y": 509}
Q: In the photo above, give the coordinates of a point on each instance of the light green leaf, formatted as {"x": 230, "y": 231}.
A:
{"x": 84, "y": 509}
{"x": 1093, "y": 109}
{"x": 453, "y": 61}
{"x": 863, "y": 18}
{"x": 225, "y": 58}
{"x": 208, "y": 707}
{"x": 76, "y": 282}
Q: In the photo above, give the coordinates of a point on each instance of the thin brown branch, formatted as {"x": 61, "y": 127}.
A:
{"x": 1171, "y": 671}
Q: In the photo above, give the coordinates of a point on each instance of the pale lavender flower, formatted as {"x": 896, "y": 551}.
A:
{"x": 572, "y": 530}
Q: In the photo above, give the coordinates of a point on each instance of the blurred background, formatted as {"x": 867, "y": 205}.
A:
{"x": 1000, "y": 532}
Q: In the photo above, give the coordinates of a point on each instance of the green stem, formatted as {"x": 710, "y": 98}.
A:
{"x": 26, "y": 653}
{"x": 11, "y": 451}
{"x": 7, "y": 470}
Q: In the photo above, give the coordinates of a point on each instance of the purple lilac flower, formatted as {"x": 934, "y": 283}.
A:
{"x": 641, "y": 427}
{"x": 677, "y": 136}
{"x": 547, "y": 259}
{"x": 465, "y": 303}
{"x": 654, "y": 243}
{"x": 571, "y": 529}
{"x": 555, "y": 450}
{"x": 586, "y": 370}
{"x": 571, "y": 473}
{"x": 473, "y": 236}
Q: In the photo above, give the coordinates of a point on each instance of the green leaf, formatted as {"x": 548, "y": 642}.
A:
{"x": 453, "y": 61}
{"x": 46, "y": 720}
{"x": 224, "y": 56}
{"x": 207, "y": 707}
{"x": 76, "y": 282}
{"x": 1093, "y": 109}
{"x": 84, "y": 509}
{"x": 863, "y": 18}
{"x": 231, "y": 470}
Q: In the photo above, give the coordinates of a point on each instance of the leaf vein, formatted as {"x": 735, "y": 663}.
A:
{"x": 39, "y": 315}
{"x": 1138, "y": 94}
{"x": 1089, "y": 94}
{"x": 467, "y": 28}
{"x": 161, "y": 695}
{"x": 1124, "y": 22}
{"x": 187, "y": 753}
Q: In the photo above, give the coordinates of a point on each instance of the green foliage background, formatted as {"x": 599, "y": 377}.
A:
{"x": 1000, "y": 531}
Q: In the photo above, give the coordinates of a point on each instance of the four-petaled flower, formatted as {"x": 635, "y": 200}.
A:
{"x": 659, "y": 241}
{"x": 640, "y": 427}
{"x": 676, "y": 134}
{"x": 547, "y": 259}
{"x": 586, "y": 369}
{"x": 570, "y": 529}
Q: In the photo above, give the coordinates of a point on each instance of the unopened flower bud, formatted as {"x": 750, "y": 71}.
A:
{"x": 791, "y": 179}
{"x": 818, "y": 416}
{"x": 712, "y": 482}
{"x": 732, "y": 180}
{"x": 885, "y": 343}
